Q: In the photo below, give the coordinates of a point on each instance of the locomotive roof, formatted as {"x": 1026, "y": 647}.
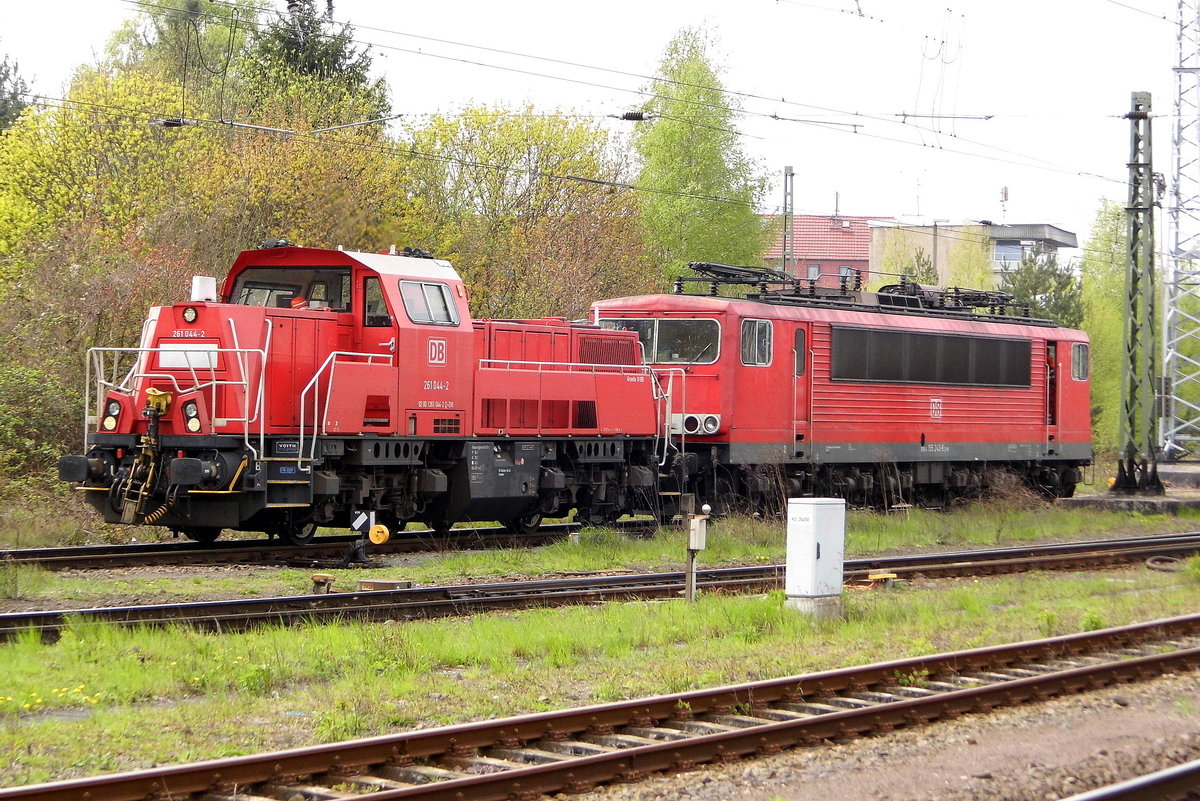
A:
{"x": 400, "y": 265}
{"x": 779, "y": 289}
{"x": 664, "y": 304}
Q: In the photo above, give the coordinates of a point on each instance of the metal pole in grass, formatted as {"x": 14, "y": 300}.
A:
{"x": 696, "y": 526}
{"x": 687, "y": 510}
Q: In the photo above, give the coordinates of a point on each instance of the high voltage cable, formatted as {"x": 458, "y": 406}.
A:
{"x": 1031, "y": 162}
{"x": 397, "y": 151}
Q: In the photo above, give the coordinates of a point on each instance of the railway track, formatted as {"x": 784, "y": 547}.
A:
{"x": 574, "y": 750}
{"x": 460, "y": 599}
{"x": 337, "y": 547}
{"x": 1177, "y": 783}
{"x": 265, "y": 551}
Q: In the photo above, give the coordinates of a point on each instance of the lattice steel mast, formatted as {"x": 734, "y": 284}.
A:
{"x": 1137, "y": 465}
{"x": 1180, "y": 421}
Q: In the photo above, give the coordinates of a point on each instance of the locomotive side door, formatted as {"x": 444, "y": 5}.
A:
{"x": 801, "y": 379}
{"x": 1052, "y": 387}
{"x": 376, "y": 334}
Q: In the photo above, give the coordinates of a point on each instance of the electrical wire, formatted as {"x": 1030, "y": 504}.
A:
{"x": 398, "y": 151}
{"x": 1032, "y": 161}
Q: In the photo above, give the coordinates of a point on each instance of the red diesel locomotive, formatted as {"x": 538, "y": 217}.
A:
{"x": 325, "y": 383}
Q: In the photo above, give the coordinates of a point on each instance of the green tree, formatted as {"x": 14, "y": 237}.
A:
{"x": 303, "y": 43}
{"x": 899, "y": 255}
{"x": 13, "y": 91}
{"x": 701, "y": 189}
{"x": 498, "y": 192}
{"x": 1103, "y": 286}
{"x": 1050, "y": 290}
{"x": 971, "y": 259}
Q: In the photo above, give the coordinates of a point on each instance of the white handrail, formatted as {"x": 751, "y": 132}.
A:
{"x": 97, "y": 358}
{"x": 319, "y": 420}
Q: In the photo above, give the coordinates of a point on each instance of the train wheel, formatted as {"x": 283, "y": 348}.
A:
{"x": 297, "y": 533}
{"x": 525, "y": 524}
{"x": 205, "y": 535}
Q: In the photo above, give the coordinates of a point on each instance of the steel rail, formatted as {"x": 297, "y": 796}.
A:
{"x": 461, "y": 599}
{"x": 328, "y": 547}
{"x": 575, "y": 749}
{"x": 1170, "y": 784}
{"x": 90, "y": 557}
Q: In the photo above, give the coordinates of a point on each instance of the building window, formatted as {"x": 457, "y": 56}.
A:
{"x": 1008, "y": 254}
{"x": 814, "y": 272}
{"x": 845, "y": 271}
{"x": 756, "y": 342}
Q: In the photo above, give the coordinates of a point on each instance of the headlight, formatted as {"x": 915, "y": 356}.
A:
{"x": 190, "y": 410}
{"x": 112, "y": 409}
{"x": 691, "y": 424}
{"x": 711, "y": 423}
{"x": 193, "y": 425}
{"x": 110, "y": 423}
{"x": 189, "y": 314}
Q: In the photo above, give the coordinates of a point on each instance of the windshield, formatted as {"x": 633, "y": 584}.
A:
{"x": 319, "y": 287}
{"x": 669, "y": 341}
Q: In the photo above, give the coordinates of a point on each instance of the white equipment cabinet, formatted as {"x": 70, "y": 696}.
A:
{"x": 816, "y": 547}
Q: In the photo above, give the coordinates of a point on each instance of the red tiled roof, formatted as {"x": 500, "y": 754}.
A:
{"x": 824, "y": 237}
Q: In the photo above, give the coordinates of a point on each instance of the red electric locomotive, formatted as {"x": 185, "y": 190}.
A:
{"x": 326, "y": 383}
{"x": 905, "y": 395}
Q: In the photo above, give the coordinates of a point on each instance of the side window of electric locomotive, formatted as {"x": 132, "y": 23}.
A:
{"x": 801, "y": 351}
{"x": 1079, "y": 361}
{"x": 756, "y": 342}
{"x": 375, "y": 314}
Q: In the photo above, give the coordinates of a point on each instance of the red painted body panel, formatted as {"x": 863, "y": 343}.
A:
{"x": 769, "y": 404}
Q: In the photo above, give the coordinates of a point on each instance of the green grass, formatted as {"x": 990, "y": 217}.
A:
{"x": 731, "y": 541}
{"x": 155, "y": 696}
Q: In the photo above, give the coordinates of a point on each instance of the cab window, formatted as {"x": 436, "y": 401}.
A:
{"x": 276, "y": 287}
{"x": 673, "y": 341}
{"x": 375, "y": 314}
{"x": 428, "y": 303}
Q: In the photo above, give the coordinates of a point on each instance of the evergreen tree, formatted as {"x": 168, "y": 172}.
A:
{"x": 12, "y": 93}
{"x": 302, "y": 44}
{"x": 702, "y": 189}
{"x": 1049, "y": 289}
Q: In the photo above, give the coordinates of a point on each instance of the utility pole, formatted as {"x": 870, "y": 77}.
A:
{"x": 1137, "y": 467}
{"x": 789, "y": 235}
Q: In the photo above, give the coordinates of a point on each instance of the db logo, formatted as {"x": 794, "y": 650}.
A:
{"x": 437, "y": 351}
{"x": 935, "y": 408}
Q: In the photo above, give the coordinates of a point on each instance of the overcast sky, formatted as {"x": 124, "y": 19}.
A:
{"x": 1054, "y": 76}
